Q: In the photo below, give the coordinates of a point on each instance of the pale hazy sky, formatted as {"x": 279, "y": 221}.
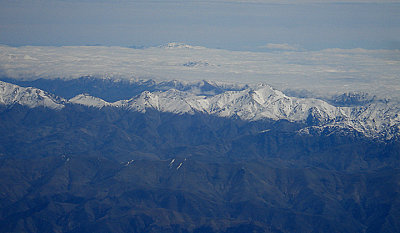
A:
{"x": 238, "y": 25}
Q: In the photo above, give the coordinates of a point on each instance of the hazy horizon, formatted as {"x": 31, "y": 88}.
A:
{"x": 231, "y": 25}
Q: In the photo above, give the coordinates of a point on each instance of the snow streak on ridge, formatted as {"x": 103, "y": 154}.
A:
{"x": 258, "y": 102}
{"x": 28, "y": 96}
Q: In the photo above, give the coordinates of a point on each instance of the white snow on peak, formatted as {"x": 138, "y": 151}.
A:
{"x": 263, "y": 102}
{"x": 140, "y": 103}
{"x": 377, "y": 119}
{"x": 32, "y": 97}
{"x": 172, "y": 100}
{"x": 87, "y": 100}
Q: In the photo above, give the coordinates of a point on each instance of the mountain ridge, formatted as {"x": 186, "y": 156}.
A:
{"x": 29, "y": 96}
{"x": 95, "y": 167}
{"x": 252, "y": 103}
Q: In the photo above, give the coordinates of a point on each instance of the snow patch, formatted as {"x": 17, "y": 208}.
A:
{"x": 28, "y": 96}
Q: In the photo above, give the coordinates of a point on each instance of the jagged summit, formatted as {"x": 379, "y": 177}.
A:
{"x": 87, "y": 100}
{"x": 32, "y": 97}
{"x": 257, "y": 102}
{"x": 352, "y": 99}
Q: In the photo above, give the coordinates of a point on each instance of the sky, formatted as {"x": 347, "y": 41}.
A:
{"x": 256, "y": 25}
{"x": 326, "y": 47}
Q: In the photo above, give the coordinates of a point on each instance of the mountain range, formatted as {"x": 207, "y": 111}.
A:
{"x": 100, "y": 155}
{"x": 377, "y": 119}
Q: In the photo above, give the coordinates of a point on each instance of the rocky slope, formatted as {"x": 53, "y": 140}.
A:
{"x": 245, "y": 160}
{"x": 376, "y": 119}
{"x": 28, "y": 96}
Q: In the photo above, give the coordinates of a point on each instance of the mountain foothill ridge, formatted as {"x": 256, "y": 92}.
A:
{"x": 376, "y": 119}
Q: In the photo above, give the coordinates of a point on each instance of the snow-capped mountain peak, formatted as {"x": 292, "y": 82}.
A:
{"x": 32, "y": 97}
{"x": 87, "y": 100}
{"x": 258, "y": 102}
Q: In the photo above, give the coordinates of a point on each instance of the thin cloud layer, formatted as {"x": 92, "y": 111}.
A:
{"x": 279, "y": 46}
{"x": 323, "y": 72}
